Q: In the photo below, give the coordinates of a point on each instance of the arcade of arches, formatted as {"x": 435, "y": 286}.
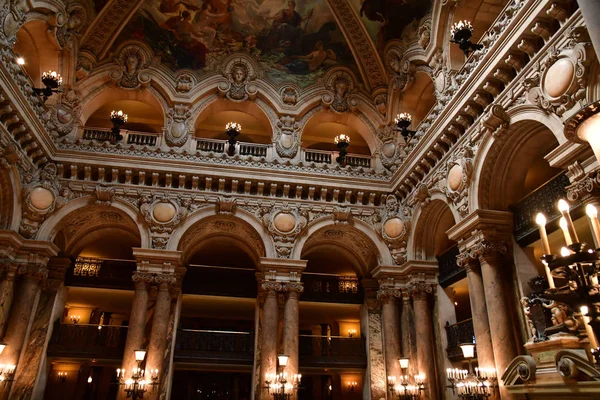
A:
{"x": 215, "y": 251}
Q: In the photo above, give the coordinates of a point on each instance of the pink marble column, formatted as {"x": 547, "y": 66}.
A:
{"x": 160, "y": 326}
{"x": 268, "y": 354}
{"x": 28, "y": 287}
{"x": 7, "y": 289}
{"x": 375, "y": 387}
{"x": 479, "y": 313}
{"x": 409, "y": 346}
{"x": 496, "y": 298}
{"x": 291, "y": 327}
{"x": 426, "y": 363}
{"x": 391, "y": 330}
{"x": 137, "y": 323}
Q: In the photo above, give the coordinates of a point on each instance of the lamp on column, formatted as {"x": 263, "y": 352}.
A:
{"x": 118, "y": 118}
{"x": 52, "y": 82}
{"x": 579, "y": 267}
{"x": 584, "y": 127}
{"x": 461, "y": 33}
{"x": 402, "y": 122}
{"x": 136, "y": 385}
{"x": 232, "y": 129}
{"x": 278, "y": 385}
{"x": 342, "y": 142}
{"x": 405, "y": 387}
{"x": 470, "y": 384}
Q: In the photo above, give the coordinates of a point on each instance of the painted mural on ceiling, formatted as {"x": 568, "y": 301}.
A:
{"x": 293, "y": 40}
{"x": 386, "y": 19}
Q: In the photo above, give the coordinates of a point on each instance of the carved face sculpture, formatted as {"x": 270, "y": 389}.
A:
{"x": 131, "y": 64}
{"x": 239, "y": 75}
{"x": 341, "y": 87}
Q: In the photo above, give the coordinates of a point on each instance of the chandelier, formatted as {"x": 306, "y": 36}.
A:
{"x": 52, "y": 81}
{"x": 576, "y": 264}
{"x": 85, "y": 266}
{"x": 117, "y": 118}
{"x": 402, "y": 122}
{"x": 469, "y": 384}
{"x": 7, "y": 372}
{"x": 232, "y": 129}
{"x": 342, "y": 142}
{"x": 278, "y": 384}
{"x": 136, "y": 386}
{"x": 405, "y": 387}
{"x": 460, "y": 34}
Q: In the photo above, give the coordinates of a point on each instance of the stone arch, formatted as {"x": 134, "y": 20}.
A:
{"x": 498, "y": 180}
{"x": 418, "y": 99}
{"x": 356, "y": 237}
{"x": 241, "y": 226}
{"x": 83, "y": 215}
{"x": 257, "y": 127}
{"x": 428, "y": 238}
{"x": 150, "y": 107}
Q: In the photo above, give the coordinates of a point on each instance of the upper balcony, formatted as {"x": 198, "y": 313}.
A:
{"x": 87, "y": 341}
{"x": 457, "y": 334}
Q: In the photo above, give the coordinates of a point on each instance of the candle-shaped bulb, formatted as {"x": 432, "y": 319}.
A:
{"x": 565, "y": 252}
{"x": 591, "y": 211}
{"x": 563, "y": 205}
{"x": 540, "y": 219}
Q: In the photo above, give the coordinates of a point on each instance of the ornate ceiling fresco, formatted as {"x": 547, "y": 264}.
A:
{"x": 386, "y": 19}
{"x": 293, "y": 41}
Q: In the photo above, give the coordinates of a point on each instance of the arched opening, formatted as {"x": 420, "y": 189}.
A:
{"x": 322, "y": 128}
{"x": 145, "y": 113}
{"x": 481, "y": 14}
{"x": 40, "y": 54}
{"x": 419, "y": 99}
{"x": 98, "y": 299}
{"x": 330, "y": 308}
{"x": 211, "y": 122}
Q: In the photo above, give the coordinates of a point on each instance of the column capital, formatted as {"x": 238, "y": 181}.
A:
{"x": 157, "y": 261}
{"x": 388, "y": 294}
{"x": 465, "y": 259}
{"x": 142, "y": 280}
{"x": 293, "y": 287}
{"x": 420, "y": 290}
{"x": 271, "y": 286}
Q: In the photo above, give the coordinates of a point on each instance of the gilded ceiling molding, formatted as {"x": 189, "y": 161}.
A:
{"x": 365, "y": 54}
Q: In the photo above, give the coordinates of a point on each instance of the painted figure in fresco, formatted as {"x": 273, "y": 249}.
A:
{"x": 205, "y": 23}
{"x": 312, "y": 61}
{"x": 286, "y": 29}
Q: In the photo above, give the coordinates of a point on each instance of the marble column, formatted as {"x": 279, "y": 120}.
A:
{"x": 160, "y": 326}
{"x": 29, "y": 382}
{"x": 25, "y": 301}
{"x": 426, "y": 363}
{"x": 375, "y": 387}
{"x": 137, "y": 323}
{"x": 291, "y": 327}
{"x": 7, "y": 289}
{"x": 479, "y": 313}
{"x": 407, "y": 326}
{"x": 496, "y": 298}
{"x": 268, "y": 354}
{"x": 391, "y": 330}
{"x": 590, "y": 10}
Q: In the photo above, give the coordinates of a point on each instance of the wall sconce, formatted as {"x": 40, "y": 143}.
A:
{"x": 52, "y": 81}
{"x": 351, "y": 332}
{"x": 75, "y": 319}
{"x": 352, "y": 386}
{"x": 118, "y": 118}
{"x": 62, "y": 376}
{"x": 232, "y": 129}
{"x": 461, "y": 33}
{"x": 402, "y": 122}
{"x": 342, "y": 142}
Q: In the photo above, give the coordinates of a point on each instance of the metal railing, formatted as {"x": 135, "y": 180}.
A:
{"x": 113, "y": 274}
{"x": 450, "y": 272}
{"x": 332, "y": 351}
{"x": 94, "y": 341}
{"x": 212, "y": 346}
{"x": 331, "y": 288}
{"x": 457, "y": 334}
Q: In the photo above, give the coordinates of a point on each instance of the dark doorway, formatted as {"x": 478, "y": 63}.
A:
{"x": 205, "y": 385}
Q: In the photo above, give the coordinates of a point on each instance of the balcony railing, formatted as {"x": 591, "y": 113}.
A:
{"x": 331, "y": 289}
{"x": 328, "y": 157}
{"x": 221, "y": 347}
{"x": 111, "y": 274}
{"x": 458, "y": 334}
{"x": 334, "y": 351}
{"x": 544, "y": 200}
{"x": 450, "y": 272}
{"x": 87, "y": 341}
{"x": 220, "y": 281}
{"x": 129, "y": 137}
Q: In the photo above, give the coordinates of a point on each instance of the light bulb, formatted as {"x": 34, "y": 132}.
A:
{"x": 563, "y": 205}
{"x": 540, "y": 219}
{"x": 565, "y": 252}
{"x": 20, "y": 61}
{"x": 591, "y": 211}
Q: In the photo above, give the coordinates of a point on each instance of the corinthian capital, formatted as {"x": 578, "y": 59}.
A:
{"x": 33, "y": 271}
{"x": 388, "y": 294}
{"x": 420, "y": 290}
{"x": 268, "y": 286}
{"x": 297, "y": 287}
